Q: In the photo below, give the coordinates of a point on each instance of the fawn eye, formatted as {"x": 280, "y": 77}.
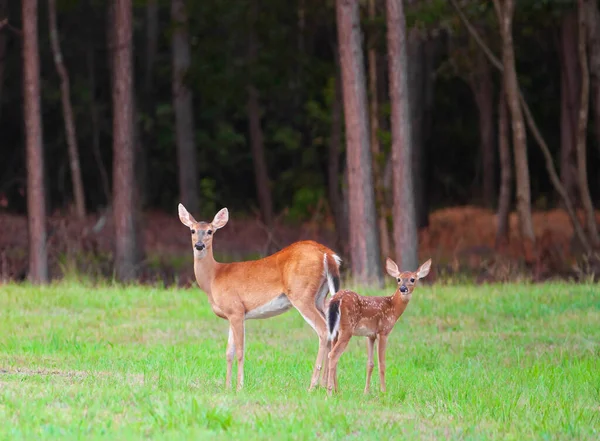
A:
{"x": 398, "y": 279}
{"x": 209, "y": 232}
{"x": 412, "y": 280}
{"x": 193, "y": 231}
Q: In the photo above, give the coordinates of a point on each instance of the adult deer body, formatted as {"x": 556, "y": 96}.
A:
{"x": 299, "y": 276}
{"x": 350, "y": 314}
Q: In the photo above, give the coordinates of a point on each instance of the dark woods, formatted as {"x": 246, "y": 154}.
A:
{"x": 303, "y": 124}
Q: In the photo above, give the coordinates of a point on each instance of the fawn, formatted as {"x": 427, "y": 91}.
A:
{"x": 351, "y": 314}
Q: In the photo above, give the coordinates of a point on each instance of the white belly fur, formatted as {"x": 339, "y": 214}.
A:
{"x": 278, "y": 305}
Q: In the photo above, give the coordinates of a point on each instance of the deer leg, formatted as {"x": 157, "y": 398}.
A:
{"x": 237, "y": 326}
{"x": 325, "y": 365}
{"x": 334, "y": 356}
{"x": 370, "y": 364}
{"x": 313, "y": 317}
{"x": 381, "y": 353}
{"x": 229, "y": 355}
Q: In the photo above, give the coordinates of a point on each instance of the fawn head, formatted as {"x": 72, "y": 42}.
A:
{"x": 202, "y": 232}
{"x": 407, "y": 280}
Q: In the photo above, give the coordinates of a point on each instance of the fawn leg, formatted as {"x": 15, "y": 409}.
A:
{"x": 324, "y": 376}
{"x": 370, "y": 364}
{"x": 307, "y": 308}
{"x": 334, "y": 356}
{"x": 229, "y": 355}
{"x": 381, "y": 353}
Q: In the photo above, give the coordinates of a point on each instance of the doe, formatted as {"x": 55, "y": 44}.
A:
{"x": 351, "y": 314}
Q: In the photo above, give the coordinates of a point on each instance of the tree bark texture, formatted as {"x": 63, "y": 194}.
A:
{"x": 592, "y": 20}
{"x": 505, "y": 196}
{"x": 569, "y": 94}
{"x": 65, "y": 95}
{"x": 333, "y": 172}
{"x": 405, "y": 227}
{"x": 36, "y": 201}
{"x": 364, "y": 242}
{"x": 123, "y": 143}
{"x": 257, "y": 142}
{"x": 384, "y": 237}
{"x": 582, "y": 124}
{"x": 184, "y": 112}
{"x": 482, "y": 86}
{"x": 505, "y": 12}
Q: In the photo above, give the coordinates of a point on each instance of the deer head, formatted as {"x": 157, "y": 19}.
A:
{"x": 202, "y": 232}
{"x": 407, "y": 280}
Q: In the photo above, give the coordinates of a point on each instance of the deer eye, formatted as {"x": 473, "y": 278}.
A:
{"x": 412, "y": 280}
{"x": 398, "y": 279}
{"x": 193, "y": 231}
{"x": 209, "y": 232}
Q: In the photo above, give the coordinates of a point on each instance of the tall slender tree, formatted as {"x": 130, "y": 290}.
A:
{"x": 182, "y": 103}
{"x": 36, "y": 200}
{"x": 592, "y": 18}
{"x": 405, "y": 223}
{"x": 505, "y": 10}
{"x": 504, "y": 198}
{"x": 364, "y": 243}
{"x": 124, "y": 200}
{"x": 69, "y": 118}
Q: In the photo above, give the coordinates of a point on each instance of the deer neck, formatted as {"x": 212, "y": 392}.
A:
{"x": 400, "y": 303}
{"x": 205, "y": 270}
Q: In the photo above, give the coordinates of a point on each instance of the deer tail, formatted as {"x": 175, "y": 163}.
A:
{"x": 333, "y": 318}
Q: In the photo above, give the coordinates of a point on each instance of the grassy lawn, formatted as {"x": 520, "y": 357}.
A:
{"x": 464, "y": 362}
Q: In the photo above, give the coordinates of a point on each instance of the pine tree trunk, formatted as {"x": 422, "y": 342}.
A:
{"x": 592, "y": 17}
{"x": 123, "y": 143}
{"x": 584, "y": 190}
{"x": 184, "y": 112}
{"x": 483, "y": 90}
{"x": 384, "y": 237}
{"x": 569, "y": 91}
{"x": 505, "y": 14}
{"x": 405, "y": 227}
{"x": 504, "y": 199}
{"x": 257, "y": 143}
{"x": 65, "y": 94}
{"x": 364, "y": 242}
{"x": 36, "y": 200}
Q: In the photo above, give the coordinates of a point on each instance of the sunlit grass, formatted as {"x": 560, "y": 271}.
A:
{"x": 464, "y": 362}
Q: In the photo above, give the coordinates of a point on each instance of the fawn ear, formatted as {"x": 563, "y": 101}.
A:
{"x": 424, "y": 269}
{"x": 220, "y": 219}
{"x": 185, "y": 217}
{"x": 392, "y": 268}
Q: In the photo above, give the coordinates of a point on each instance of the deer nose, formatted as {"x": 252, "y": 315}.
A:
{"x": 403, "y": 288}
{"x": 199, "y": 246}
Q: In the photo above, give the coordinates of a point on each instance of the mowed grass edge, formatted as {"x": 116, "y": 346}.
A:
{"x": 463, "y": 362}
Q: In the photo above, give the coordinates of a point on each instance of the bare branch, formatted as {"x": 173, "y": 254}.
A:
{"x": 534, "y": 130}
{"x": 5, "y": 24}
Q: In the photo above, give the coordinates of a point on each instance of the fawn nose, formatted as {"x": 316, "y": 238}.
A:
{"x": 199, "y": 246}
{"x": 403, "y": 289}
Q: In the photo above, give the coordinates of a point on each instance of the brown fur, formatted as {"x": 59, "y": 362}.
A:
{"x": 242, "y": 290}
{"x": 351, "y": 314}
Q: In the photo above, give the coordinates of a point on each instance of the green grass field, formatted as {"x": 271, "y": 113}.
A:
{"x": 464, "y": 362}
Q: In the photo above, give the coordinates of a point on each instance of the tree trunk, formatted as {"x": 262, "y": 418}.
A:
{"x": 384, "y": 237}
{"x": 333, "y": 172}
{"x": 65, "y": 94}
{"x": 36, "y": 200}
{"x": 505, "y": 14}
{"x": 482, "y": 86}
{"x": 257, "y": 143}
{"x": 184, "y": 114}
{"x": 569, "y": 90}
{"x": 592, "y": 17}
{"x": 405, "y": 227}
{"x": 504, "y": 199}
{"x": 584, "y": 190}
{"x": 124, "y": 201}
{"x": 364, "y": 243}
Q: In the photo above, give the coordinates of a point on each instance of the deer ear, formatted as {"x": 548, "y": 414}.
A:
{"x": 220, "y": 219}
{"x": 392, "y": 268}
{"x": 424, "y": 269}
{"x": 185, "y": 217}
